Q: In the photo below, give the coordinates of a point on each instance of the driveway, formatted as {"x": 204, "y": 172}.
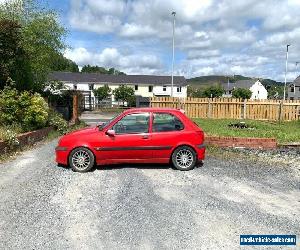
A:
{"x": 44, "y": 206}
{"x": 93, "y": 117}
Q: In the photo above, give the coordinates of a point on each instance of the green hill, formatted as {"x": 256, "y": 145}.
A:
{"x": 198, "y": 84}
{"x": 204, "y": 81}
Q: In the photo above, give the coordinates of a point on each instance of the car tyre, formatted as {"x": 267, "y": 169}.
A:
{"x": 184, "y": 158}
{"x": 81, "y": 160}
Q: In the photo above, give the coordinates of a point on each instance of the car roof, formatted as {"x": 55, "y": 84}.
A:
{"x": 151, "y": 110}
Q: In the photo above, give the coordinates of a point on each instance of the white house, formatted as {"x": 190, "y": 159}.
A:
{"x": 258, "y": 90}
{"x": 143, "y": 85}
{"x": 294, "y": 90}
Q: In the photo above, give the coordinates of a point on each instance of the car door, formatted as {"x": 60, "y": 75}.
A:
{"x": 131, "y": 141}
{"x": 167, "y": 130}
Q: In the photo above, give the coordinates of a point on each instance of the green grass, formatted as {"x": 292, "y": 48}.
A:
{"x": 284, "y": 132}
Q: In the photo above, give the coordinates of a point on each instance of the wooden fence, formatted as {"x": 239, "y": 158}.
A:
{"x": 219, "y": 108}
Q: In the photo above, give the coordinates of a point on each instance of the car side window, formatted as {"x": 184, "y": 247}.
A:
{"x": 164, "y": 122}
{"x": 133, "y": 124}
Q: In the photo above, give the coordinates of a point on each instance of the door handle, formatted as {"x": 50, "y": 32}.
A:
{"x": 145, "y": 137}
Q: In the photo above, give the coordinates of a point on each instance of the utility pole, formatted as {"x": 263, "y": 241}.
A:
{"x": 173, "y": 56}
{"x": 286, "y": 68}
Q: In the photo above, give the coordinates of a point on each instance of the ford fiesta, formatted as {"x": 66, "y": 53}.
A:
{"x": 144, "y": 135}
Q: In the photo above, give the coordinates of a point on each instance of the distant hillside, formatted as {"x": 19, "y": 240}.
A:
{"x": 269, "y": 82}
{"x": 203, "y": 81}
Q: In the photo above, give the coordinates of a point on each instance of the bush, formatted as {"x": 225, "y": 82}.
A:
{"x": 9, "y": 134}
{"x": 36, "y": 112}
{"x": 123, "y": 93}
{"x": 102, "y": 92}
{"x": 9, "y": 106}
{"x": 132, "y": 101}
{"x": 213, "y": 91}
{"x": 58, "y": 122}
{"x": 241, "y": 93}
{"x": 30, "y": 111}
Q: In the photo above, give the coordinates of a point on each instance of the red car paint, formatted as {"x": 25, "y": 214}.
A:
{"x": 151, "y": 147}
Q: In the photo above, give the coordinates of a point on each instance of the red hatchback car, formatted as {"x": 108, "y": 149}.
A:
{"x": 141, "y": 135}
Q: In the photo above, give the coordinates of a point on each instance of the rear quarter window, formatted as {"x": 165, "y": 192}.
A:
{"x": 165, "y": 122}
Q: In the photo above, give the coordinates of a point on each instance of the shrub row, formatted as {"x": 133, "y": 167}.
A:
{"x": 25, "y": 111}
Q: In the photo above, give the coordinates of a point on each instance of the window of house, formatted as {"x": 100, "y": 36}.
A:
{"x": 292, "y": 89}
{"x": 164, "y": 88}
{"x": 91, "y": 86}
{"x": 291, "y": 98}
{"x": 150, "y": 88}
{"x": 178, "y": 89}
{"x": 165, "y": 122}
{"x": 133, "y": 124}
{"x": 136, "y": 87}
{"x": 75, "y": 86}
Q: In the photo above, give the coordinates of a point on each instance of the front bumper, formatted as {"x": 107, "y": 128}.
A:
{"x": 62, "y": 154}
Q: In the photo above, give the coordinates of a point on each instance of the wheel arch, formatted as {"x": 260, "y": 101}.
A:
{"x": 82, "y": 146}
{"x": 183, "y": 145}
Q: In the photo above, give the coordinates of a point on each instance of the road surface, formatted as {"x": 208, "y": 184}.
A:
{"x": 44, "y": 206}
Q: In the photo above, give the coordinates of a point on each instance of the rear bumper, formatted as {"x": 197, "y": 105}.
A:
{"x": 201, "y": 151}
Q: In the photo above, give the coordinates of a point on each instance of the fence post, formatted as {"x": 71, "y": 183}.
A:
{"x": 75, "y": 118}
{"x": 245, "y": 109}
{"x": 280, "y": 110}
{"x": 209, "y": 109}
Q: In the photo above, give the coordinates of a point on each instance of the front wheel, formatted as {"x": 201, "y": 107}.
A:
{"x": 81, "y": 160}
{"x": 184, "y": 158}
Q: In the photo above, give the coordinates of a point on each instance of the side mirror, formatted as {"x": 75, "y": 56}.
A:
{"x": 111, "y": 132}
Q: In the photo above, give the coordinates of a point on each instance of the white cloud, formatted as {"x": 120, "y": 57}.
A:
{"x": 212, "y": 36}
{"x": 79, "y": 55}
{"x": 101, "y": 16}
{"x": 136, "y": 30}
{"x": 111, "y": 57}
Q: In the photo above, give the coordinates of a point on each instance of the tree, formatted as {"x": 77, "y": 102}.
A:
{"x": 213, "y": 91}
{"x": 123, "y": 93}
{"x": 60, "y": 63}
{"x": 102, "y": 92}
{"x": 194, "y": 92}
{"x": 241, "y": 93}
{"x": 14, "y": 62}
{"x": 41, "y": 37}
{"x": 101, "y": 70}
{"x": 93, "y": 69}
{"x": 275, "y": 92}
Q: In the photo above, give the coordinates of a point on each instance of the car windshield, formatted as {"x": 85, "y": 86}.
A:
{"x": 105, "y": 124}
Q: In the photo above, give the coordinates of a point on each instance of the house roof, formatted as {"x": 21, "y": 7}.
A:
{"x": 116, "y": 79}
{"x": 296, "y": 82}
{"x": 245, "y": 84}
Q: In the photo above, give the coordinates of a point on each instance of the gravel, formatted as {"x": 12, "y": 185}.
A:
{"x": 44, "y": 206}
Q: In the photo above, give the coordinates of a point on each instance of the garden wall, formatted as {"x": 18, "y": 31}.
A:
{"x": 256, "y": 143}
{"x": 28, "y": 138}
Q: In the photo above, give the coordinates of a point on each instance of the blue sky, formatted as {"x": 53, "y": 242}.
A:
{"x": 225, "y": 37}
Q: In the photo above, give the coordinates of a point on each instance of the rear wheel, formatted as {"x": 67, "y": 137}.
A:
{"x": 184, "y": 158}
{"x": 81, "y": 160}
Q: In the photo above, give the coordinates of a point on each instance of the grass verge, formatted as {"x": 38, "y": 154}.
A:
{"x": 284, "y": 132}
